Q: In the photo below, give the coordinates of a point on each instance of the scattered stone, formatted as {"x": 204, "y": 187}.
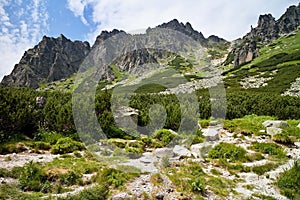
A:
{"x": 275, "y": 123}
{"x": 147, "y": 158}
{"x": 181, "y": 151}
{"x": 40, "y": 101}
{"x": 121, "y": 196}
{"x": 211, "y": 134}
{"x": 163, "y": 152}
{"x": 160, "y": 196}
{"x": 297, "y": 144}
{"x": 273, "y": 131}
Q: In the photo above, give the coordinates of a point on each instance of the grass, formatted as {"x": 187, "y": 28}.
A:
{"x": 227, "y": 151}
{"x": 195, "y": 180}
{"x": 271, "y": 149}
{"x": 282, "y": 54}
{"x": 289, "y": 182}
{"x": 250, "y": 124}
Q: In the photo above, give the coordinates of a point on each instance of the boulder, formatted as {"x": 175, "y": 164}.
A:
{"x": 273, "y": 131}
{"x": 196, "y": 149}
{"x": 181, "y": 151}
{"x": 275, "y": 123}
{"x": 211, "y": 134}
{"x": 163, "y": 152}
{"x": 147, "y": 158}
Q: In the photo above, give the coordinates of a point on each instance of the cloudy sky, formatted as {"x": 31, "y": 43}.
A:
{"x": 24, "y": 22}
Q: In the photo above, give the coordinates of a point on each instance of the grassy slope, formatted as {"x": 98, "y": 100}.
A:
{"x": 282, "y": 55}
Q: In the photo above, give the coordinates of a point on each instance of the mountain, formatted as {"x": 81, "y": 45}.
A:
{"x": 51, "y": 60}
{"x": 54, "y": 59}
{"x": 268, "y": 29}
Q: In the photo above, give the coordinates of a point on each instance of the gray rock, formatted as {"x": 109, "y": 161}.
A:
{"x": 40, "y": 101}
{"x": 181, "y": 151}
{"x": 267, "y": 30}
{"x": 121, "y": 196}
{"x": 51, "y": 60}
{"x": 297, "y": 144}
{"x": 275, "y": 123}
{"x": 147, "y": 158}
{"x": 211, "y": 134}
{"x": 163, "y": 152}
{"x": 273, "y": 131}
{"x": 160, "y": 196}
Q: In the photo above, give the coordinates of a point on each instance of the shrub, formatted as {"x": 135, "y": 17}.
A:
{"x": 198, "y": 138}
{"x": 198, "y": 185}
{"x": 95, "y": 193}
{"x": 254, "y": 156}
{"x": 260, "y": 170}
{"x": 70, "y": 178}
{"x": 40, "y": 145}
{"x": 164, "y": 136}
{"x": 282, "y": 139}
{"x": 227, "y": 151}
{"x": 268, "y": 148}
{"x": 289, "y": 182}
{"x": 12, "y": 148}
{"x": 32, "y": 178}
{"x": 165, "y": 161}
{"x": 112, "y": 177}
{"x": 66, "y": 145}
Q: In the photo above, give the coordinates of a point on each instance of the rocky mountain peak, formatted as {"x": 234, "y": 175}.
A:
{"x": 50, "y": 60}
{"x": 265, "y": 21}
{"x": 186, "y": 29}
{"x": 105, "y": 35}
{"x": 267, "y": 30}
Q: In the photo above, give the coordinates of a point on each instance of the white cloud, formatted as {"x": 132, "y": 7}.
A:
{"x": 15, "y": 38}
{"x": 228, "y": 19}
{"x": 77, "y": 7}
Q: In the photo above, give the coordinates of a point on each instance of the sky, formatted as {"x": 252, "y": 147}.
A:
{"x": 23, "y": 23}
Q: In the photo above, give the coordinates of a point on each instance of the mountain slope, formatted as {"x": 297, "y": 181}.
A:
{"x": 267, "y": 30}
{"x": 51, "y": 60}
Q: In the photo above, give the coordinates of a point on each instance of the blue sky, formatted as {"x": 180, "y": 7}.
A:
{"x": 24, "y": 22}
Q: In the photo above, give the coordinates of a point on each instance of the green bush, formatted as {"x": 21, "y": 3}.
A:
{"x": 70, "y": 178}
{"x": 282, "y": 139}
{"x": 198, "y": 185}
{"x": 164, "y": 136}
{"x": 95, "y": 193}
{"x": 112, "y": 177}
{"x": 254, "y": 156}
{"x": 260, "y": 170}
{"x": 40, "y": 145}
{"x": 33, "y": 178}
{"x": 12, "y": 148}
{"x": 227, "y": 151}
{"x": 66, "y": 145}
{"x": 289, "y": 182}
{"x": 268, "y": 148}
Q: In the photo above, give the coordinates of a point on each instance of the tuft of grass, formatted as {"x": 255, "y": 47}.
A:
{"x": 268, "y": 148}
{"x": 227, "y": 151}
{"x": 250, "y": 124}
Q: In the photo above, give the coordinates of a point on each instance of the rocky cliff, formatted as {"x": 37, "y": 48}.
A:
{"x": 52, "y": 59}
{"x": 267, "y": 30}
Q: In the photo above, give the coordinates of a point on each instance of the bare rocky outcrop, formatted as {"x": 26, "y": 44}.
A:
{"x": 267, "y": 30}
{"x": 51, "y": 60}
